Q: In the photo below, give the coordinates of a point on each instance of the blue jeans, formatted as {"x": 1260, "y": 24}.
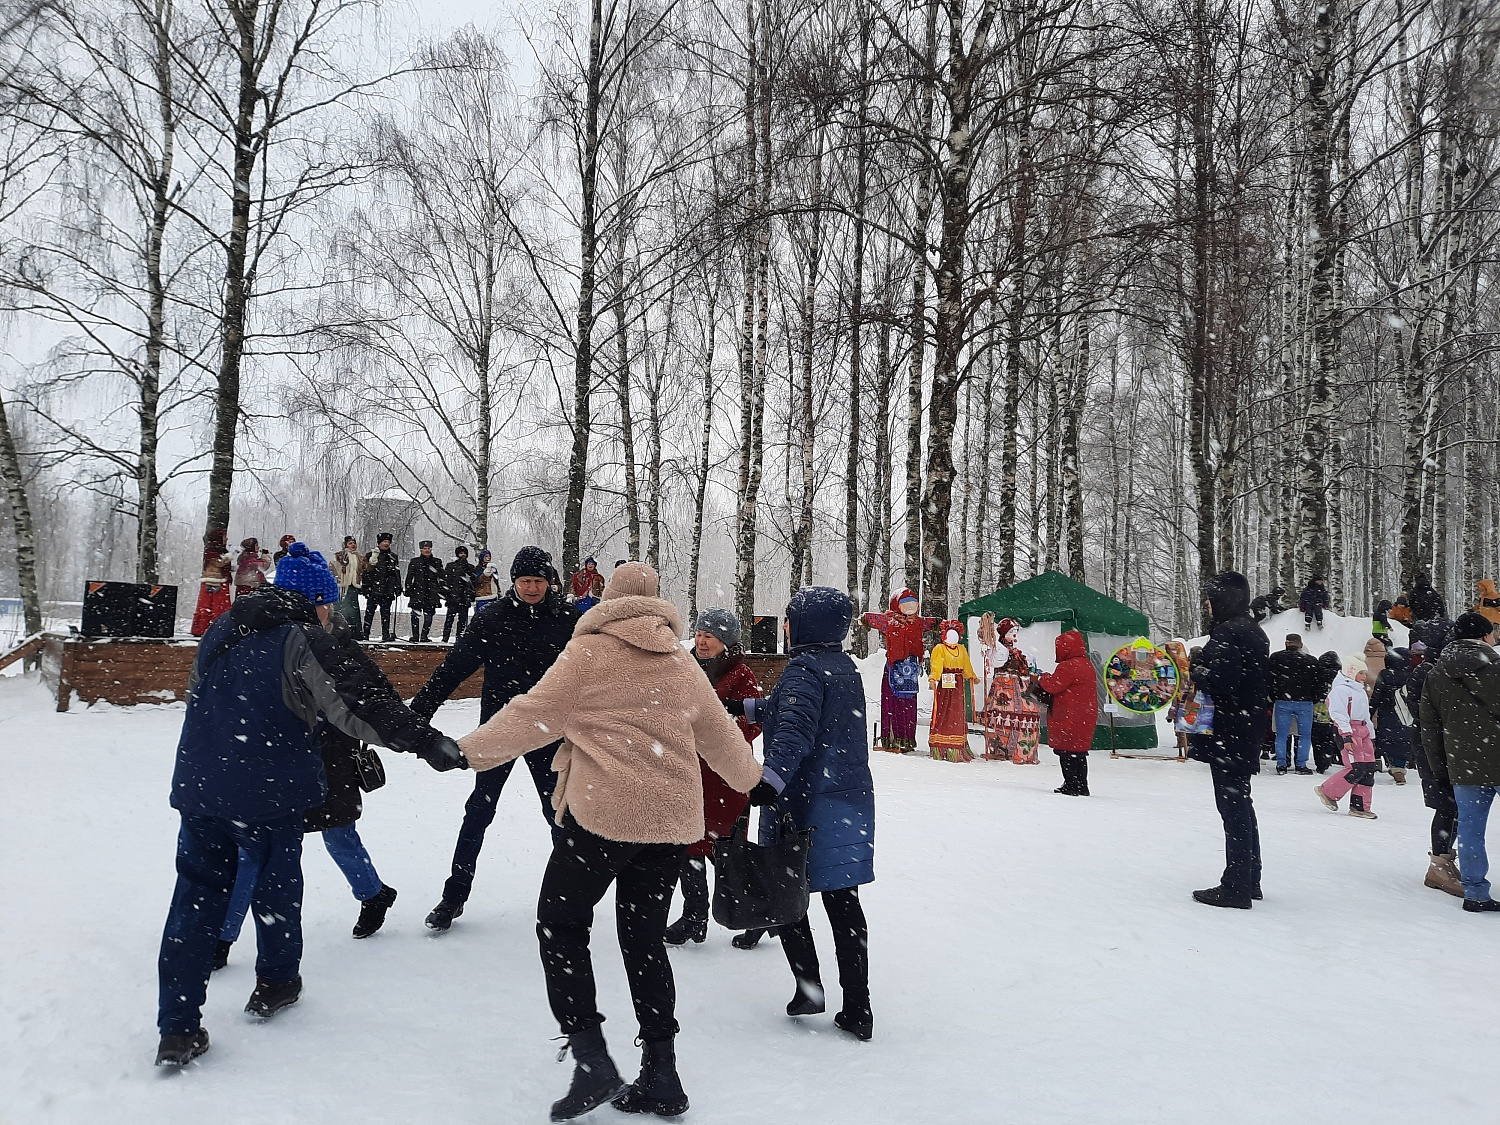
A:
{"x": 347, "y": 850}
{"x": 1473, "y": 815}
{"x": 207, "y": 855}
{"x": 1293, "y": 713}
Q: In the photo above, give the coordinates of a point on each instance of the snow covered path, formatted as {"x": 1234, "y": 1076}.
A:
{"x": 1034, "y": 959}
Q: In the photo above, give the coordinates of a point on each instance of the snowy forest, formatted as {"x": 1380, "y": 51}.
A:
{"x": 938, "y": 293}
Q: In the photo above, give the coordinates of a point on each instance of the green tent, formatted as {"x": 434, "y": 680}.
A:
{"x": 1051, "y": 596}
{"x": 1106, "y": 623}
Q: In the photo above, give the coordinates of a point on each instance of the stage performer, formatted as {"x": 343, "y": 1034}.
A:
{"x": 214, "y": 583}
{"x": 902, "y": 629}
{"x": 251, "y": 568}
{"x": 1012, "y": 718}
{"x": 950, "y": 676}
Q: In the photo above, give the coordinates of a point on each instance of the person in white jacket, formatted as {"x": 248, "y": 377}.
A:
{"x": 1349, "y": 708}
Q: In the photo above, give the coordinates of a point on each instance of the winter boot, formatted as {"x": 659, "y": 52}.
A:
{"x": 658, "y": 1090}
{"x": 1442, "y": 874}
{"x": 1328, "y": 802}
{"x": 747, "y": 940}
{"x": 443, "y": 914}
{"x": 1480, "y": 905}
{"x": 808, "y": 1001}
{"x": 181, "y": 1049}
{"x": 1218, "y": 896}
{"x": 860, "y": 1024}
{"x": 221, "y": 954}
{"x": 1357, "y": 808}
{"x": 686, "y": 929}
{"x": 1398, "y": 775}
{"x": 372, "y": 911}
{"x": 270, "y": 996}
{"x": 595, "y": 1079}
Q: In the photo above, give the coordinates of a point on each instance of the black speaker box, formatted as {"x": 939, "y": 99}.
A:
{"x": 128, "y": 609}
{"x": 765, "y": 634}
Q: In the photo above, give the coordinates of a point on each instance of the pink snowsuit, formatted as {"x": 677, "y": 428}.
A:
{"x": 1349, "y": 708}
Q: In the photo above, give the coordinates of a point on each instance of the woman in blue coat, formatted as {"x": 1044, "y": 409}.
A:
{"x": 817, "y": 773}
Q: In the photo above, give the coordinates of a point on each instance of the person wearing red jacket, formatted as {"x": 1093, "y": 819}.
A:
{"x": 1074, "y": 711}
{"x": 716, "y": 644}
{"x": 902, "y": 629}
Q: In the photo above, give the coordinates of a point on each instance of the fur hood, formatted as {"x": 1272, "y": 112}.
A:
{"x": 649, "y": 624}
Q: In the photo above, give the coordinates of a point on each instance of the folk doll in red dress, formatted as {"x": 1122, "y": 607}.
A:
{"x": 902, "y": 629}
{"x": 950, "y": 676}
{"x": 1012, "y": 719}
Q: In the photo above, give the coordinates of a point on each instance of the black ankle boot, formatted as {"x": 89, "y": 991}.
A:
{"x": 595, "y": 1079}
{"x": 372, "y": 911}
{"x": 808, "y": 1001}
{"x": 686, "y": 929}
{"x": 747, "y": 940}
{"x": 270, "y": 996}
{"x": 658, "y": 1090}
{"x": 221, "y": 954}
{"x": 857, "y": 1022}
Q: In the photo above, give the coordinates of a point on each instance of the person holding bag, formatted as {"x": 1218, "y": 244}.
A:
{"x": 817, "y": 777}
{"x": 636, "y": 713}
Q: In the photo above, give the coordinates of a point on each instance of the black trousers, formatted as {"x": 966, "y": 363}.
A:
{"x": 1241, "y": 831}
{"x": 479, "y": 814}
{"x": 1075, "y": 771}
{"x": 851, "y": 940}
{"x": 581, "y": 869}
{"x": 460, "y": 615}
{"x": 371, "y": 605}
{"x": 695, "y": 888}
{"x": 424, "y": 616}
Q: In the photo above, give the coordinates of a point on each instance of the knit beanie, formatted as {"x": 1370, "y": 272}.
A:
{"x": 632, "y": 580}
{"x": 720, "y": 623}
{"x": 1472, "y": 626}
{"x": 307, "y": 573}
{"x": 531, "y": 562}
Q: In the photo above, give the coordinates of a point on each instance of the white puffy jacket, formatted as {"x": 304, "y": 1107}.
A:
{"x": 1348, "y": 703}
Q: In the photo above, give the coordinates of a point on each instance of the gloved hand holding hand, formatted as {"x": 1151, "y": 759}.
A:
{"x": 762, "y": 794}
{"x": 443, "y": 754}
{"x": 735, "y": 707}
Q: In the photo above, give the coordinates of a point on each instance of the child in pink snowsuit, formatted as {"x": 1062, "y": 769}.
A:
{"x": 1349, "y": 708}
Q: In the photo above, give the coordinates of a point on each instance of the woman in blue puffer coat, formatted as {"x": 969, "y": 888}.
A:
{"x": 817, "y": 773}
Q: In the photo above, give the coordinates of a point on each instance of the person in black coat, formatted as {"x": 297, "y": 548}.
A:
{"x": 1296, "y": 686}
{"x": 1325, "y": 738}
{"x": 424, "y": 590}
{"x": 1437, "y": 786}
{"x": 1234, "y": 670}
{"x": 1393, "y": 734}
{"x": 1425, "y": 602}
{"x": 1314, "y": 600}
{"x": 382, "y": 585}
{"x": 458, "y": 592}
{"x": 515, "y": 640}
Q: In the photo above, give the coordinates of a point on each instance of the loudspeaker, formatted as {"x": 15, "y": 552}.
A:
{"x": 765, "y": 634}
{"x": 128, "y": 609}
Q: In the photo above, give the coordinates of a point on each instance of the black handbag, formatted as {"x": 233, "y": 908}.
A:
{"x": 371, "y": 768}
{"x": 758, "y": 887}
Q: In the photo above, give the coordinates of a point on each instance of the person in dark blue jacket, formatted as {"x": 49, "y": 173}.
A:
{"x": 515, "y": 640}
{"x": 1234, "y": 670}
{"x": 817, "y": 775}
{"x": 248, "y": 768}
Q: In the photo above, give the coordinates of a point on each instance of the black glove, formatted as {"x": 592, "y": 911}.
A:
{"x": 735, "y": 707}
{"x": 443, "y": 754}
{"x": 762, "y": 794}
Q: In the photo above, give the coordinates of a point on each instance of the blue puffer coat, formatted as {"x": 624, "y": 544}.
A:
{"x": 815, "y": 740}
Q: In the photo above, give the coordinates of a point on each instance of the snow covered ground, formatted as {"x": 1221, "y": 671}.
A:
{"x": 1035, "y": 958}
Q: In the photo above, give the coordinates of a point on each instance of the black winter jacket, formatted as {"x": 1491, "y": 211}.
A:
{"x": 1425, "y": 602}
{"x": 515, "y": 643}
{"x": 1234, "y": 669}
{"x": 383, "y": 579}
{"x": 1295, "y": 675}
{"x": 424, "y": 582}
{"x": 458, "y": 583}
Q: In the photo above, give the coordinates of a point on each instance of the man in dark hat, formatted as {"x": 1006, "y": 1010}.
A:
{"x": 515, "y": 640}
{"x": 382, "y": 585}
{"x": 424, "y": 590}
{"x": 458, "y": 592}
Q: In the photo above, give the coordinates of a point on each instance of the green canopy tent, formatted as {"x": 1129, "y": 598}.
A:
{"x": 1106, "y": 623}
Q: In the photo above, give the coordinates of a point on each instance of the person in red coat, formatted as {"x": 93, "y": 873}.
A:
{"x": 716, "y": 644}
{"x": 1074, "y": 711}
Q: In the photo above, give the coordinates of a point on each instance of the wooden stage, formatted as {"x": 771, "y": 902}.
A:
{"x": 125, "y": 671}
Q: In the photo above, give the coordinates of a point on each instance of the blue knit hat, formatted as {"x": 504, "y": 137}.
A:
{"x": 306, "y": 572}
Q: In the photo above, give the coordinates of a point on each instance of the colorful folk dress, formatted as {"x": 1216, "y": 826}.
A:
{"x": 902, "y": 633}
{"x": 1012, "y": 719}
{"x": 950, "y": 676}
{"x": 213, "y": 585}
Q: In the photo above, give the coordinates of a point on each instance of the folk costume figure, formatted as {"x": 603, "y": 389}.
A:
{"x": 1012, "y": 718}
{"x": 950, "y": 677}
{"x": 214, "y": 582}
{"x": 902, "y": 629}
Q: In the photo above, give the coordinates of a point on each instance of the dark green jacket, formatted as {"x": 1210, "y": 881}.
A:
{"x": 1461, "y": 714}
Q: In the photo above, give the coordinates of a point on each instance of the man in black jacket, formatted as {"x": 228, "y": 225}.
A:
{"x": 382, "y": 586}
{"x": 458, "y": 592}
{"x": 515, "y": 640}
{"x": 1426, "y": 603}
{"x": 1296, "y": 684}
{"x": 424, "y": 590}
{"x": 1234, "y": 670}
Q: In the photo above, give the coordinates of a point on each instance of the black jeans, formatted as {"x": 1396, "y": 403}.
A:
{"x": 479, "y": 814}
{"x": 1241, "y": 832}
{"x": 695, "y": 888}
{"x": 371, "y": 605}
{"x": 1075, "y": 771}
{"x": 422, "y": 617}
{"x": 851, "y": 939}
{"x": 459, "y": 615}
{"x": 581, "y": 869}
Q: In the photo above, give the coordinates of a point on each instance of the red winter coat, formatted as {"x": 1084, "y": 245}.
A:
{"x": 1075, "y": 697}
{"x": 903, "y": 634}
{"x": 721, "y": 804}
